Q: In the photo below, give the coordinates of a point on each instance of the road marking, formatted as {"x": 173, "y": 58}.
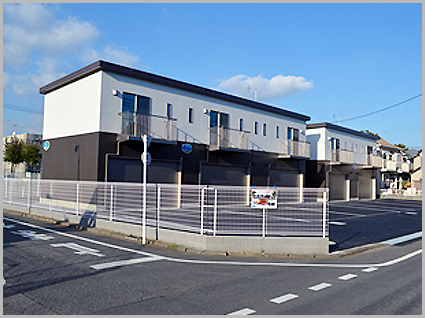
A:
{"x": 284, "y": 298}
{"x": 80, "y": 250}
{"x": 412, "y": 213}
{"x": 347, "y": 277}
{"x": 32, "y": 235}
{"x": 320, "y": 286}
{"x": 11, "y": 226}
{"x": 231, "y": 263}
{"x": 402, "y": 239}
{"x": 337, "y": 223}
{"x": 124, "y": 262}
{"x": 245, "y": 311}
{"x": 369, "y": 269}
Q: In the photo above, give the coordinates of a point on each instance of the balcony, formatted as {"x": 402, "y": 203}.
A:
{"x": 374, "y": 161}
{"x": 403, "y": 167}
{"x": 293, "y": 149}
{"x": 339, "y": 156}
{"x": 229, "y": 139}
{"x": 389, "y": 165}
{"x": 160, "y": 128}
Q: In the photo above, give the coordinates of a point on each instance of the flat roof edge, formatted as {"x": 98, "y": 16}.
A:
{"x": 131, "y": 72}
{"x": 342, "y": 129}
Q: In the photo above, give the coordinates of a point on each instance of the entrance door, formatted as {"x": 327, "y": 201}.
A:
{"x": 335, "y": 149}
{"x": 219, "y": 124}
{"x": 135, "y": 114}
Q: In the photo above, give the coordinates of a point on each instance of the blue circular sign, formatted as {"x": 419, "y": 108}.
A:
{"x": 186, "y": 148}
{"x": 46, "y": 145}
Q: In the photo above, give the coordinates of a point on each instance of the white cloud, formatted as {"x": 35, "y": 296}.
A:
{"x": 276, "y": 87}
{"x": 119, "y": 55}
{"x": 32, "y": 28}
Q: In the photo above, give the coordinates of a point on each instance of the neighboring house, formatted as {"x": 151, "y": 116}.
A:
{"x": 416, "y": 175}
{"x": 22, "y": 168}
{"x": 344, "y": 160}
{"x": 395, "y": 165}
{"x": 95, "y": 117}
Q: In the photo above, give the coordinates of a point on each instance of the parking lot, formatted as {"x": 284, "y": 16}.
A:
{"x": 357, "y": 223}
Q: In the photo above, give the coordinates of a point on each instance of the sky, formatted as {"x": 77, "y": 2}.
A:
{"x": 331, "y": 62}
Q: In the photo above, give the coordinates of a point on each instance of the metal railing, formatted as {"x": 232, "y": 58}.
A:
{"x": 293, "y": 148}
{"x": 137, "y": 125}
{"x": 217, "y": 210}
{"x": 374, "y": 161}
{"x": 342, "y": 156}
{"x": 221, "y": 137}
{"x": 389, "y": 165}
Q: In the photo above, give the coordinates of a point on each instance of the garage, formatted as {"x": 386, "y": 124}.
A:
{"x": 365, "y": 182}
{"x": 354, "y": 186}
{"x": 284, "y": 178}
{"x": 223, "y": 175}
{"x": 337, "y": 186}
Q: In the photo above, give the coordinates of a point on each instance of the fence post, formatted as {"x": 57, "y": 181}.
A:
{"x": 324, "y": 213}
{"x": 202, "y": 210}
{"x": 29, "y": 194}
{"x": 111, "y": 210}
{"x": 158, "y": 210}
{"x": 264, "y": 222}
{"x": 5, "y": 186}
{"x": 51, "y": 195}
{"x": 215, "y": 213}
{"x": 78, "y": 198}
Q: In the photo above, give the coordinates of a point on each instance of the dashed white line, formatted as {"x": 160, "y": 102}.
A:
{"x": 124, "y": 262}
{"x": 347, "y": 276}
{"x": 369, "y": 269}
{"x": 320, "y": 286}
{"x": 337, "y": 223}
{"x": 284, "y": 298}
{"x": 245, "y": 311}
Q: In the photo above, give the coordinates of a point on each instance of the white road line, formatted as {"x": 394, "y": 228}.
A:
{"x": 245, "y": 311}
{"x": 284, "y": 298}
{"x": 346, "y": 213}
{"x": 413, "y": 213}
{"x": 320, "y": 286}
{"x": 124, "y": 262}
{"x": 231, "y": 263}
{"x": 402, "y": 239}
{"x": 369, "y": 269}
{"x": 347, "y": 277}
{"x": 337, "y": 223}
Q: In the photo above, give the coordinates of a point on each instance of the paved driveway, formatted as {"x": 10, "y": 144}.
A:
{"x": 357, "y": 223}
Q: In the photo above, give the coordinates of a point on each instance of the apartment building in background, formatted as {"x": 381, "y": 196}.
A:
{"x": 344, "y": 160}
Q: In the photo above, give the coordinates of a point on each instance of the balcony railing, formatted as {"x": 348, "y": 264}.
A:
{"x": 342, "y": 156}
{"x": 389, "y": 165}
{"x": 158, "y": 127}
{"x": 404, "y": 167}
{"x": 374, "y": 161}
{"x": 293, "y": 148}
{"x": 228, "y": 138}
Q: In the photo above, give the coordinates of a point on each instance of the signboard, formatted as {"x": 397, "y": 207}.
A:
{"x": 186, "y": 148}
{"x": 148, "y": 158}
{"x": 263, "y": 198}
{"x": 46, "y": 145}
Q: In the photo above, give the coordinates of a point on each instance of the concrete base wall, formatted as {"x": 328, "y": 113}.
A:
{"x": 243, "y": 245}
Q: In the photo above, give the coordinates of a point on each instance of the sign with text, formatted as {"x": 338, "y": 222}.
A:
{"x": 263, "y": 198}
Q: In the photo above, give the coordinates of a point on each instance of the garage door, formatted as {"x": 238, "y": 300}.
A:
{"x": 365, "y": 187}
{"x": 337, "y": 187}
{"x": 130, "y": 170}
{"x": 354, "y": 186}
{"x": 284, "y": 178}
{"x": 222, "y": 175}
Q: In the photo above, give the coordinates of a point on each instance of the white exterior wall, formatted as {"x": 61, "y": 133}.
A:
{"x": 196, "y": 132}
{"x": 320, "y": 141}
{"x": 73, "y": 109}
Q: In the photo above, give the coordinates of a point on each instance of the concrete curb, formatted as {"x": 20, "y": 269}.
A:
{"x": 190, "y": 249}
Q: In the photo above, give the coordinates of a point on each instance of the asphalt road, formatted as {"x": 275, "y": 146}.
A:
{"x": 51, "y": 269}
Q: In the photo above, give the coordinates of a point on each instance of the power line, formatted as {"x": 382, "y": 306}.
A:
{"x": 382, "y": 109}
{"x": 22, "y": 109}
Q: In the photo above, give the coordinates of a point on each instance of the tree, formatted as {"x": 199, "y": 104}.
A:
{"x": 13, "y": 152}
{"x": 32, "y": 155}
{"x": 370, "y": 133}
{"x": 402, "y": 146}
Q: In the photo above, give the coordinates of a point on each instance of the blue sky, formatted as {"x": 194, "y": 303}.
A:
{"x": 328, "y": 61}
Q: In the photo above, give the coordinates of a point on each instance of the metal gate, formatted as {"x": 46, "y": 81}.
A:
{"x": 209, "y": 211}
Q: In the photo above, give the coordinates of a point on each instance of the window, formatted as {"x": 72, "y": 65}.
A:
{"x": 135, "y": 104}
{"x": 264, "y": 129}
{"x": 345, "y": 145}
{"x": 240, "y": 124}
{"x": 362, "y": 149}
{"x": 277, "y": 132}
{"x": 356, "y": 148}
{"x": 169, "y": 111}
{"x": 293, "y": 134}
{"x": 190, "y": 115}
{"x": 256, "y": 128}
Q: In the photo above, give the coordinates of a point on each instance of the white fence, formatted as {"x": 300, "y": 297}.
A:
{"x": 213, "y": 210}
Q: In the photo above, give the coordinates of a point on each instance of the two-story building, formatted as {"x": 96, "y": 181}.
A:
{"x": 416, "y": 175}
{"x": 95, "y": 118}
{"x": 344, "y": 160}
